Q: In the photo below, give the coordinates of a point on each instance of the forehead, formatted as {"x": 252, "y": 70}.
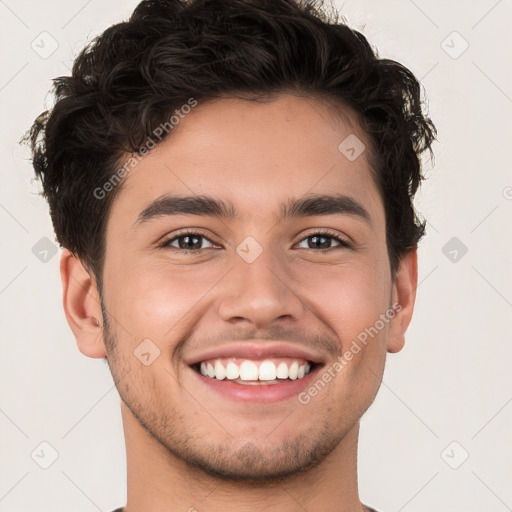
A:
{"x": 255, "y": 154}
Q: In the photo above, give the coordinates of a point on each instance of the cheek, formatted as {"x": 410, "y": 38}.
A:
{"x": 349, "y": 299}
{"x": 158, "y": 302}
{"x": 352, "y": 304}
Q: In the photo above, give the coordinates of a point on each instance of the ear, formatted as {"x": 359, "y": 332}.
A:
{"x": 403, "y": 297}
{"x": 82, "y": 306}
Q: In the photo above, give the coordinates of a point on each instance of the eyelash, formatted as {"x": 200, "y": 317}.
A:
{"x": 325, "y": 233}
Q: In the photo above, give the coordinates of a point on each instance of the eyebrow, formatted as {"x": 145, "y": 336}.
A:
{"x": 306, "y": 206}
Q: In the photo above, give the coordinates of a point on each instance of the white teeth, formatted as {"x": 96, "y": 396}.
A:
{"x": 267, "y": 371}
{"x": 282, "y": 371}
{"x": 248, "y": 370}
{"x": 232, "y": 371}
{"x": 220, "y": 373}
{"x": 292, "y": 372}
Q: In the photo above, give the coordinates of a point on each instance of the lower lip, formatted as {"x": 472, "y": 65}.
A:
{"x": 260, "y": 393}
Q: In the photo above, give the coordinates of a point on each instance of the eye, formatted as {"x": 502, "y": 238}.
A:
{"x": 321, "y": 240}
{"x": 191, "y": 241}
{"x": 187, "y": 241}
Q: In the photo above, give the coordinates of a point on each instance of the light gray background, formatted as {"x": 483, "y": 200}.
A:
{"x": 452, "y": 382}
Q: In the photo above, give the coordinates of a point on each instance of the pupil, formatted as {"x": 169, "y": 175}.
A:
{"x": 317, "y": 245}
{"x": 187, "y": 245}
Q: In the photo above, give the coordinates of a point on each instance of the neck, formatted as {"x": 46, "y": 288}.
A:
{"x": 158, "y": 481}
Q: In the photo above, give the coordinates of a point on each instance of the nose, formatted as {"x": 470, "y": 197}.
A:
{"x": 259, "y": 293}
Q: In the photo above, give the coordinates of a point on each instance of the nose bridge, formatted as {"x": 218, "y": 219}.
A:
{"x": 258, "y": 289}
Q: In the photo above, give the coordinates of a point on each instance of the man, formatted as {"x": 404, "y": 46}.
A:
{"x": 232, "y": 182}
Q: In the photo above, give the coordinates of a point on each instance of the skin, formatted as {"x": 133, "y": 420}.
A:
{"x": 189, "y": 448}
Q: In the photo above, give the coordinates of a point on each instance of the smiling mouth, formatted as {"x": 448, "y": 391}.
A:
{"x": 255, "y": 372}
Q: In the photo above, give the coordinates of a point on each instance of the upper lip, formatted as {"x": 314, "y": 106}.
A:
{"x": 256, "y": 350}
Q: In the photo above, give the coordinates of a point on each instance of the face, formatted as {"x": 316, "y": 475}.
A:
{"x": 274, "y": 291}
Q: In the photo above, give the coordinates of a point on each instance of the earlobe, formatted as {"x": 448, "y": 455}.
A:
{"x": 403, "y": 298}
{"x": 82, "y": 305}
